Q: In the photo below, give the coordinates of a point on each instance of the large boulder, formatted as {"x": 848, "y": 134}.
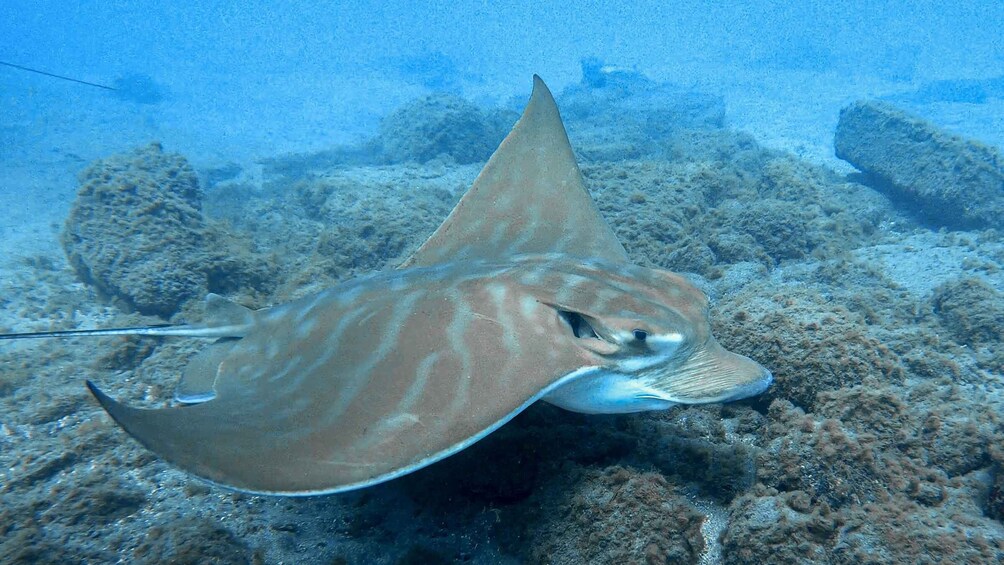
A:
{"x": 947, "y": 180}
{"x": 136, "y": 232}
{"x": 445, "y": 127}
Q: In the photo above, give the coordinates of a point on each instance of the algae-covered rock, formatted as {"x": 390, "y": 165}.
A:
{"x": 810, "y": 344}
{"x": 137, "y": 233}
{"x": 357, "y": 219}
{"x": 619, "y": 515}
{"x": 864, "y": 488}
{"x": 778, "y": 528}
{"x": 738, "y": 202}
{"x": 373, "y": 217}
{"x": 995, "y": 498}
{"x": 948, "y": 180}
{"x": 193, "y": 540}
{"x": 442, "y": 126}
{"x": 972, "y": 310}
{"x": 439, "y": 127}
{"x": 778, "y": 228}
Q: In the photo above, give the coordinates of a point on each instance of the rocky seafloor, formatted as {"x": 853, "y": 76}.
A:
{"x": 881, "y": 440}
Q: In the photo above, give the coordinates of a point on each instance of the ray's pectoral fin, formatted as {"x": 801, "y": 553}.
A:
{"x": 529, "y": 198}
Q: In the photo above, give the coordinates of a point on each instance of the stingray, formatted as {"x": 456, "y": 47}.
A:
{"x": 523, "y": 294}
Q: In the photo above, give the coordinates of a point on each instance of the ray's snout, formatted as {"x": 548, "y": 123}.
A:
{"x": 714, "y": 374}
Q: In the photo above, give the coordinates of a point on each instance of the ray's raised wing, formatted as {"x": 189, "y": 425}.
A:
{"x": 530, "y": 198}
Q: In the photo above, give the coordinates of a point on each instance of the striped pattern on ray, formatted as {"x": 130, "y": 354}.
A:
{"x": 384, "y": 374}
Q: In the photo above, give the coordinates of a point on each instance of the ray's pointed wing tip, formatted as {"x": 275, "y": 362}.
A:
{"x": 103, "y": 399}
{"x": 114, "y": 408}
{"x": 95, "y": 390}
{"x": 539, "y": 88}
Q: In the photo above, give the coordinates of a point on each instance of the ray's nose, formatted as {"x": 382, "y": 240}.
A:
{"x": 713, "y": 374}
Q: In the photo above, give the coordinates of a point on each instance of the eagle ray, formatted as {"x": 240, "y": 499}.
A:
{"x": 523, "y": 294}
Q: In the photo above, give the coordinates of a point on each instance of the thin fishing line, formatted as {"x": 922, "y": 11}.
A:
{"x": 61, "y": 77}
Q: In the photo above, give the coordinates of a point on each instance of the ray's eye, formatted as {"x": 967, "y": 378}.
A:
{"x": 640, "y": 335}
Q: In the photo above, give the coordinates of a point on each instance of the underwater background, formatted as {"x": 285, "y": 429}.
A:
{"x": 829, "y": 173}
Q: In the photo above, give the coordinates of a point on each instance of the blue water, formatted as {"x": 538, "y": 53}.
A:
{"x": 311, "y": 73}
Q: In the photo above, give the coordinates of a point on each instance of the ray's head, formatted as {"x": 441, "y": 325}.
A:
{"x": 653, "y": 326}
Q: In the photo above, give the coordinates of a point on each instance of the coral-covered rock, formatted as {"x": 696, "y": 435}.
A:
{"x": 810, "y": 344}
{"x": 772, "y": 527}
{"x": 442, "y": 126}
{"x": 137, "y": 233}
{"x": 618, "y": 516}
{"x": 972, "y": 310}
